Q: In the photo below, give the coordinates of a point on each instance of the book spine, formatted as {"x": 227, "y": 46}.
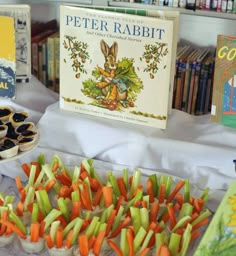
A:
{"x": 195, "y": 88}
{"x": 191, "y": 87}
{"x": 57, "y": 62}
{"x": 40, "y": 60}
{"x": 50, "y": 63}
{"x": 186, "y": 87}
{"x": 44, "y": 63}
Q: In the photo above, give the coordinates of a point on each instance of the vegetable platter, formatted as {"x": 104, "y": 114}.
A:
{"x": 82, "y": 210}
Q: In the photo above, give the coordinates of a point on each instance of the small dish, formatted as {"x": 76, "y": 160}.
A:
{"x": 8, "y": 149}
{"x": 5, "y": 112}
{"x": 6, "y": 240}
{"x": 26, "y": 143}
{"x": 32, "y": 247}
{"x": 60, "y": 251}
{"x": 3, "y": 130}
{"x": 18, "y": 118}
{"x": 25, "y": 127}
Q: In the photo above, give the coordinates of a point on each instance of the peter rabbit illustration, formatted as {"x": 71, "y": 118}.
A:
{"x": 112, "y": 87}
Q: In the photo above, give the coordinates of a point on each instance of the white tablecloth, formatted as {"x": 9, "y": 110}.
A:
{"x": 191, "y": 147}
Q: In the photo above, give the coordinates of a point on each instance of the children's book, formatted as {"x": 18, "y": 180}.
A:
{"x": 219, "y": 238}
{"x": 7, "y": 57}
{"x": 223, "y": 108}
{"x": 22, "y": 20}
{"x": 116, "y": 63}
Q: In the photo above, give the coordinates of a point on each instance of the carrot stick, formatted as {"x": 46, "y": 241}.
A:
{"x": 75, "y": 210}
{"x": 154, "y": 211}
{"x": 65, "y": 179}
{"x": 198, "y": 205}
{"x": 8, "y": 231}
{"x": 3, "y": 226}
{"x": 26, "y": 169}
{"x": 50, "y": 185}
{"x": 34, "y": 232}
{"x": 55, "y": 166}
{"x": 83, "y": 245}
{"x": 144, "y": 252}
{"x": 107, "y": 194}
{"x": 37, "y": 169}
{"x": 150, "y": 190}
{"x": 65, "y": 191}
{"x": 115, "y": 247}
{"x": 91, "y": 242}
{"x": 62, "y": 220}
{"x": 178, "y": 186}
{"x": 179, "y": 198}
{"x": 18, "y": 183}
{"x": 97, "y": 197}
{"x": 125, "y": 222}
{"x": 98, "y": 242}
{"x": 122, "y": 188}
{"x": 103, "y": 72}
{"x": 49, "y": 241}
{"x": 163, "y": 251}
{"x": 161, "y": 197}
{"x": 195, "y": 235}
{"x": 14, "y": 228}
{"x": 20, "y": 208}
{"x": 85, "y": 197}
{"x": 200, "y": 224}
{"x": 59, "y": 237}
{"x": 41, "y": 228}
{"x": 130, "y": 240}
{"x": 171, "y": 213}
{"x": 110, "y": 221}
{"x": 119, "y": 202}
{"x": 69, "y": 239}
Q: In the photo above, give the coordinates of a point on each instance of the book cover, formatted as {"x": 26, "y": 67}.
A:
{"x": 223, "y": 108}
{"x": 7, "y": 57}
{"x": 219, "y": 238}
{"x": 22, "y": 20}
{"x": 115, "y": 65}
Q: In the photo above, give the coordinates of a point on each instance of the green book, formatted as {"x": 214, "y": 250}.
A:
{"x": 220, "y": 236}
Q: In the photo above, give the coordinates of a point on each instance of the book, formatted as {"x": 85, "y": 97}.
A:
{"x": 52, "y": 61}
{"x": 223, "y": 108}
{"x": 47, "y": 31}
{"x": 7, "y": 57}
{"x": 219, "y": 238}
{"x": 118, "y": 65}
{"x": 22, "y": 19}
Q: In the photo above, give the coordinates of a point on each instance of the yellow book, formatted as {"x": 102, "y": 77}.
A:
{"x": 7, "y": 57}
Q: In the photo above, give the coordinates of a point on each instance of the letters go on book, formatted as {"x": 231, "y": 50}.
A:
{"x": 116, "y": 65}
{"x": 224, "y": 88}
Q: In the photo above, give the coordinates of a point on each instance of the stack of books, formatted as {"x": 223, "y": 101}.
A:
{"x": 45, "y": 53}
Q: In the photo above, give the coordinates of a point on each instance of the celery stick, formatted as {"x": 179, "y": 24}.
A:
{"x": 86, "y": 164}
{"x": 174, "y": 243}
{"x": 135, "y": 181}
{"x": 205, "y": 195}
{"x": 2, "y": 196}
{"x": 89, "y": 231}
{"x": 186, "y": 240}
{"x": 144, "y": 217}
{"x": 63, "y": 208}
{"x": 32, "y": 175}
{"x": 106, "y": 213}
{"x": 117, "y": 218}
{"x": 138, "y": 239}
{"x": 69, "y": 226}
{"x": 114, "y": 184}
{"x": 51, "y": 176}
{"x": 86, "y": 181}
{"x": 41, "y": 160}
{"x": 159, "y": 240}
{"x": 202, "y": 216}
{"x": 168, "y": 185}
{"x": 29, "y": 197}
{"x": 51, "y": 217}
{"x": 45, "y": 200}
{"x": 40, "y": 203}
{"x": 136, "y": 218}
{"x": 76, "y": 230}
{"x": 14, "y": 218}
{"x": 153, "y": 177}
{"x": 53, "y": 229}
{"x": 103, "y": 226}
{"x": 125, "y": 176}
{"x": 181, "y": 222}
{"x": 8, "y": 200}
{"x": 75, "y": 196}
{"x": 39, "y": 178}
{"x": 76, "y": 174}
{"x": 35, "y": 212}
{"x": 186, "y": 210}
{"x": 131, "y": 202}
{"x": 186, "y": 191}
{"x": 2, "y": 209}
{"x": 96, "y": 229}
{"x": 146, "y": 199}
{"x": 124, "y": 246}
{"x": 147, "y": 239}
